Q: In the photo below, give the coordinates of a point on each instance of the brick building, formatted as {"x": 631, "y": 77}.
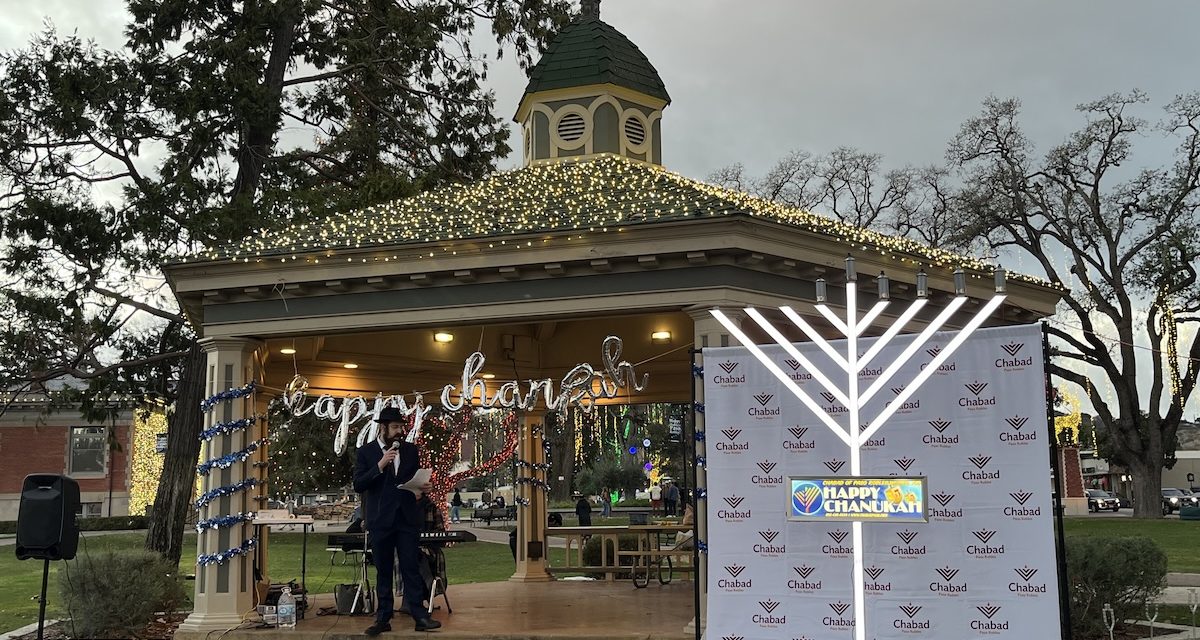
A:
{"x": 94, "y": 454}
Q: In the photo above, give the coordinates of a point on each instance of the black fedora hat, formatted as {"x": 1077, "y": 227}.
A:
{"x": 390, "y": 414}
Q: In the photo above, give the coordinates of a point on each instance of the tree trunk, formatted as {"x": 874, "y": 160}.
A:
{"x": 167, "y": 518}
{"x": 1147, "y": 487}
{"x": 562, "y": 457}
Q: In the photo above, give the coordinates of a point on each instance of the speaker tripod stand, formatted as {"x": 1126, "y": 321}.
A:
{"x": 42, "y": 600}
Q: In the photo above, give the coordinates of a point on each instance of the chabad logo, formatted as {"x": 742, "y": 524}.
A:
{"x": 829, "y": 397}
{"x": 1022, "y": 512}
{"x": 940, "y": 425}
{"x": 983, "y": 476}
{"x": 989, "y": 611}
{"x": 983, "y": 535}
{"x": 804, "y": 572}
{"x": 980, "y": 461}
{"x": 792, "y": 364}
{"x": 796, "y": 374}
{"x": 838, "y": 535}
{"x": 735, "y": 570}
{"x": 766, "y": 467}
{"x": 1021, "y": 496}
{"x": 904, "y": 463}
{"x": 734, "y": 501}
{"x": 943, "y": 498}
{"x": 728, "y": 380}
{"x": 911, "y": 610}
{"x": 769, "y": 535}
{"x": 761, "y": 412}
{"x": 835, "y": 465}
{"x": 874, "y": 572}
{"x": 769, "y": 605}
{"x": 976, "y": 387}
{"x": 933, "y": 351}
{"x": 727, "y": 366}
{"x": 839, "y": 607}
{"x": 1020, "y": 437}
{"x": 908, "y": 536}
{"x": 1026, "y": 573}
{"x": 797, "y": 432}
{"x": 1012, "y": 348}
{"x": 732, "y": 446}
{"x": 947, "y": 573}
{"x": 763, "y": 398}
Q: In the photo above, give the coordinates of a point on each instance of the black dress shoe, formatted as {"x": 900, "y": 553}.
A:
{"x": 428, "y": 624}
{"x": 377, "y": 628}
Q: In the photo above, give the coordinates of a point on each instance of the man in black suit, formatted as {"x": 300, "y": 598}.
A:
{"x": 393, "y": 518}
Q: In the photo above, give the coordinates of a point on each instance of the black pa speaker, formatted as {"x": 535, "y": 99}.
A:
{"x": 46, "y": 527}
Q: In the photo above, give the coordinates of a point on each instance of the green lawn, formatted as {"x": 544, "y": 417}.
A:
{"x": 21, "y": 580}
{"x": 1179, "y": 539}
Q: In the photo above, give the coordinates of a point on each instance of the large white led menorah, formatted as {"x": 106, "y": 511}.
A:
{"x": 851, "y": 396}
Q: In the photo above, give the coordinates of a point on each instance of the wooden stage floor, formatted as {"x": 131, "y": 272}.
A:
{"x": 566, "y": 609}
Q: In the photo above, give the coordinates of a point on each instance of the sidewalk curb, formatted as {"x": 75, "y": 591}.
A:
{"x": 29, "y": 628}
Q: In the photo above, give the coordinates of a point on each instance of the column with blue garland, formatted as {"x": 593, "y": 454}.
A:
{"x": 232, "y": 440}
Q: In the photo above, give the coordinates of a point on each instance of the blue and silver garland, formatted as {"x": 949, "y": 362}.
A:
{"x": 230, "y": 459}
{"x": 699, "y": 436}
{"x": 228, "y": 394}
{"x": 702, "y": 546}
{"x": 231, "y": 489}
{"x": 701, "y": 461}
{"x": 222, "y": 428}
{"x": 701, "y": 493}
{"x": 224, "y": 521}
{"x": 698, "y": 371}
{"x": 220, "y": 558}
{"x": 699, "y": 407}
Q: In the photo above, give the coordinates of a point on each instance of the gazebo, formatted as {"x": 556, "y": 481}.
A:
{"x": 533, "y": 268}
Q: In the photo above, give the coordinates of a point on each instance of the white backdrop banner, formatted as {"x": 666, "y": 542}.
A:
{"x": 982, "y": 566}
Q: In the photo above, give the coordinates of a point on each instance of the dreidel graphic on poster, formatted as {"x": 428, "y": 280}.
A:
{"x": 851, "y": 394}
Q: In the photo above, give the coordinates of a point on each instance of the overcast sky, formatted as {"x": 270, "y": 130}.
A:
{"x": 752, "y": 80}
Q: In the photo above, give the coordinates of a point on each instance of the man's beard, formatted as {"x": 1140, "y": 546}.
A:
{"x": 394, "y": 441}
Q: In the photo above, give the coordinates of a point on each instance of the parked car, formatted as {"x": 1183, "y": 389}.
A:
{"x": 1193, "y": 496}
{"x": 1174, "y": 499}
{"x": 1100, "y": 500}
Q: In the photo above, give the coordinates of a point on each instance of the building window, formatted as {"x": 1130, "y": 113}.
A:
{"x": 89, "y": 510}
{"x": 88, "y": 446}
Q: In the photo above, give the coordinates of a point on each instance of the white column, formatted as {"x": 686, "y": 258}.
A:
{"x": 708, "y": 332}
{"x": 224, "y": 592}
{"x": 531, "y": 517}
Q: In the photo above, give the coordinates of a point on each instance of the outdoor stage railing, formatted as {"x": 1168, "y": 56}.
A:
{"x": 611, "y": 554}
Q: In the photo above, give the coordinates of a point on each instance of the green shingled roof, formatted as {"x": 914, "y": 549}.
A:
{"x": 590, "y": 196}
{"x": 589, "y": 51}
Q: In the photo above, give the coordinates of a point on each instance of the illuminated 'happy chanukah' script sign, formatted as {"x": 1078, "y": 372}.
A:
{"x": 581, "y": 387}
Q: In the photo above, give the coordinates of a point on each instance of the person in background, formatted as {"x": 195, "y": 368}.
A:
{"x": 500, "y": 501}
{"x": 605, "y": 503}
{"x": 671, "y": 498}
{"x": 656, "y": 503}
{"x": 394, "y": 519}
{"x": 583, "y": 509}
{"x": 456, "y": 503}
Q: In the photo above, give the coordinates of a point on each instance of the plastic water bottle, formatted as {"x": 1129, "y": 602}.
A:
{"x": 287, "y": 609}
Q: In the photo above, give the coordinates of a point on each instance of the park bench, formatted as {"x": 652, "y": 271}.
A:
{"x": 487, "y": 514}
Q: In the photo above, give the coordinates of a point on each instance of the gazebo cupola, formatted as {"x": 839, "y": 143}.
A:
{"x": 593, "y": 92}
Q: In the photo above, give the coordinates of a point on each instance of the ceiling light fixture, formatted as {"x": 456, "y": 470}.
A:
{"x": 350, "y": 365}
{"x": 443, "y": 336}
{"x": 287, "y": 351}
{"x": 660, "y": 337}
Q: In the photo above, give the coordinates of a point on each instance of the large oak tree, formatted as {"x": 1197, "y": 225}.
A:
{"x": 214, "y": 119}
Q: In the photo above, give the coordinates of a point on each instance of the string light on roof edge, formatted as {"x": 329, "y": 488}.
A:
{"x": 453, "y": 213}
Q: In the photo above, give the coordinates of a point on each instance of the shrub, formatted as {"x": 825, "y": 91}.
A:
{"x": 625, "y": 542}
{"x": 1122, "y": 572}
{"x": 111, "y": 593}
{"x": 115, "y": 523}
